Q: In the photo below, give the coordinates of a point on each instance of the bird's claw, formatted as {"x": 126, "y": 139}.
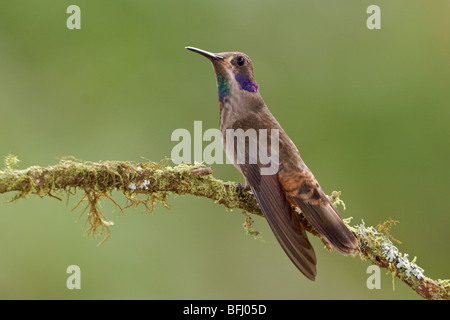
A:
{"x": 241, "y": 187}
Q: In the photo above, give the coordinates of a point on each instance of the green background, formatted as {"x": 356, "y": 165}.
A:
{"x": 368, "y": 109}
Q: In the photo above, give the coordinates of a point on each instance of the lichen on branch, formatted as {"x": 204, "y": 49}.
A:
{"x": 144, "y": 184}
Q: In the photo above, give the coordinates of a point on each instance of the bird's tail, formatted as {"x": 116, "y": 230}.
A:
{"x": 303, "y": 190}
{"x": 327, "y": 221}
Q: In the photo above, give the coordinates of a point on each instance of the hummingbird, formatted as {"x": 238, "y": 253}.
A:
{"x": 292, "y": 185}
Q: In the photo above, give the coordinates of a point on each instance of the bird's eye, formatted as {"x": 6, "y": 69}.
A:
{"x": 240, "y": 61}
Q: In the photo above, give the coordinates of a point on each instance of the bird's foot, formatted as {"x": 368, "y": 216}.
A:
{"x": 241, "y": 187}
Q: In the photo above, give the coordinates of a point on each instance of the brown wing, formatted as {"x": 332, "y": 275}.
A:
{"x": 303, "y": 191}
{"x": 283, "y": 220}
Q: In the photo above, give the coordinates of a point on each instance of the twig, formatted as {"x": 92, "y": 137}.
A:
{"x": 155, "y": 181}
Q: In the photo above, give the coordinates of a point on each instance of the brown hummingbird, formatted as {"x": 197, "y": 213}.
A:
{"x": 291, "y": 185}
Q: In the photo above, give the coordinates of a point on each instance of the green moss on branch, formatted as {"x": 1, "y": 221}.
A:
{"x": 150, "y": 182}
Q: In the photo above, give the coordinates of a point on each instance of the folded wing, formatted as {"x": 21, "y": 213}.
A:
{"x": 283, "y": 220}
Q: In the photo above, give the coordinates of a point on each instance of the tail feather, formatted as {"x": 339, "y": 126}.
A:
{"x": 304, "y": 192}
{"x": 327, "y": 221}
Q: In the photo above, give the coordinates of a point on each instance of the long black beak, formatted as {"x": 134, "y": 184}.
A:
{"x": 207, "y": 54}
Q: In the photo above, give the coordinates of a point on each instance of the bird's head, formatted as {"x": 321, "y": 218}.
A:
{"x": 234, "y": 71}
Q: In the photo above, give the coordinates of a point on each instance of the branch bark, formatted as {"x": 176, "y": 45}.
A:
{"x": 148, "y": 183}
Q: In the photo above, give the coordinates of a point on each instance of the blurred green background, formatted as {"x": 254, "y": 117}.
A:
{"x": 368, "y": 109}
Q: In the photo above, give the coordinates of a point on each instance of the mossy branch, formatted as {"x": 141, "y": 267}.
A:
{"x": 148, "y": 183}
